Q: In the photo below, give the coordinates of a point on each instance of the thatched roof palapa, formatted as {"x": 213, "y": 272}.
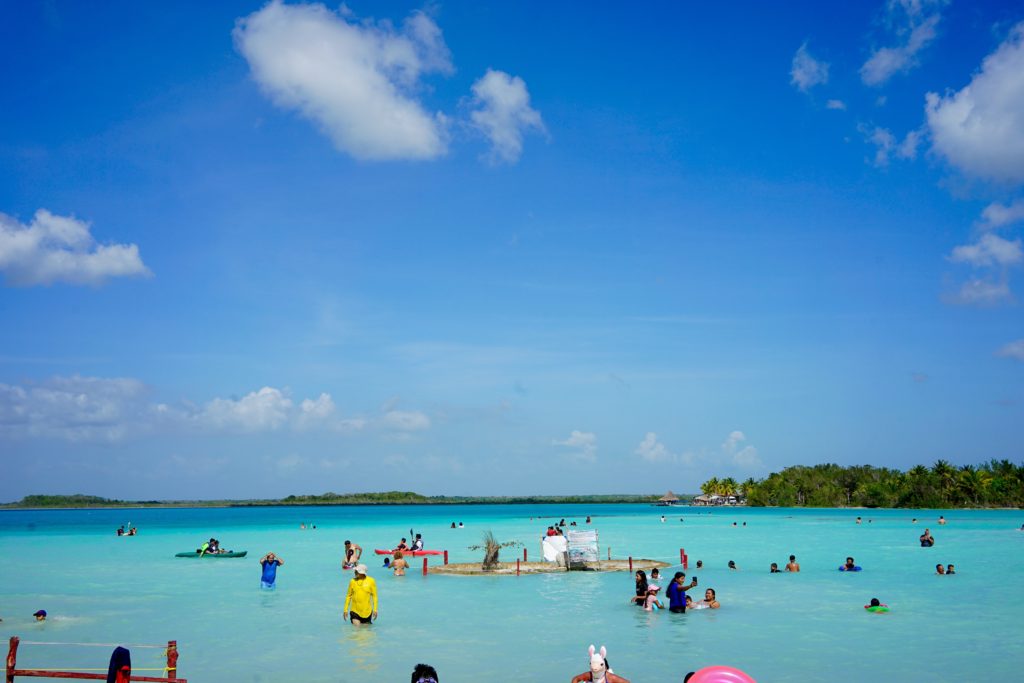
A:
{"x": 669, "y": 498}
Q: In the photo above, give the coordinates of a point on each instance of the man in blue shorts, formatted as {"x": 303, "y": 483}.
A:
{"x": 270, "y": 563}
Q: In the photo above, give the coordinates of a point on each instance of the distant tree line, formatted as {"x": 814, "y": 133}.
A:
{"x": 381, "y": 498}
{"x": 998, "y": 483}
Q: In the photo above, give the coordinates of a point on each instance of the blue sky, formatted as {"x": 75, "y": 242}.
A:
{"x": 253, "y": 250}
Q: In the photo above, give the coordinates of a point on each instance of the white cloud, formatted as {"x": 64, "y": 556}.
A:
{"x": 110, "y": 409}
{"x": 806, "y": 71}
{"x": 744, "y": 457}
{"x": 315, "y": 412}
{"x": 838, "y": 105}
{"x": 908, "y": 148}
{"x": 405, "y": 421}
{"x": 981, "y": 292}
{"x": 980, "y": 128}
{"x": 503, "y": 113}
{"x": 883, "y": 140}
{"x": 1014, "y": 349}
{"x": 989, "y": 250}
{"x": 61, "y": 249}
{"x": 260, "y": 410}
{"x": 651, "y": 450}
{"x": 997, "y": 215}
{"x": 914, "y": 22}
{"x": 583, "y": 443}
{"x": 73, "y": 408}
{"x": 358, "y": 82}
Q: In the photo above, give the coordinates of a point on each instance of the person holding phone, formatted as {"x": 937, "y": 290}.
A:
{"x": 677, "y": 592}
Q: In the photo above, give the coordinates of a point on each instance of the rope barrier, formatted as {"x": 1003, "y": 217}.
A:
{"x": 76, "y": 668}
{"x": 128, "y": 645}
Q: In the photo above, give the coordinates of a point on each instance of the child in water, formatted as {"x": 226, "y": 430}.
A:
{"x": 652, "y": 601}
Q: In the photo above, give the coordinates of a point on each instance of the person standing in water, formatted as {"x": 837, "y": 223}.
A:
{"x": 793, "y": 566}
{"x": 677, "y": 592}
{"x": 399, "y": 565}
{"x": 352, "y": 554}
{"x": 362, "y": 596}
{"x": 270, "y": 563}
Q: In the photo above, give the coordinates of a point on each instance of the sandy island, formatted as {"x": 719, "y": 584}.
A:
{"x": 509, "y": 568}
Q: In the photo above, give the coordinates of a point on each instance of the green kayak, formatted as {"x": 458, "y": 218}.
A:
{"x": 214, "y": 556}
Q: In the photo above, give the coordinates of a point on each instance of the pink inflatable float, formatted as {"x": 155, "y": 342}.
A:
{"x": 721, "y": 674}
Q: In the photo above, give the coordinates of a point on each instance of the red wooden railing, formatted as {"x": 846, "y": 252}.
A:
{"x": 123, "y": 676}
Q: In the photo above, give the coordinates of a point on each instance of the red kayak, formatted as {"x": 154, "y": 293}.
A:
{"x": 414, "y": 553}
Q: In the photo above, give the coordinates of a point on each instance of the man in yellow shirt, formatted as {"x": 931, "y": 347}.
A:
{"x": 362, "y": 595}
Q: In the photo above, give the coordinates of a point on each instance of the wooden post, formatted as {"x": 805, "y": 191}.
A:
{"x": 524, "y": 555}
{"x": 172, "y": 659}
{"x": 517, "y": 566}
{"x": 630, "y": 563}
{"x": 12, "y": 658}
{"x": 609, "y": 553}
{"x": 682, "y": 556}
{"x": 424, "y": 566}
{"x": 446, "y": 557}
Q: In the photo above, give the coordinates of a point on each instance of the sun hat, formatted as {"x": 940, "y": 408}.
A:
{"x": 40, "y": 613}
{"x": 361, "y": 569}
{"x": 653, "y": 587}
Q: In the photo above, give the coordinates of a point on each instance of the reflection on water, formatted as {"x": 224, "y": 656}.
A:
{"x": 361, "y": 645}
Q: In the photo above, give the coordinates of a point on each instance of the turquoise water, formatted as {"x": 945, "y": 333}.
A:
{"x": 807, "y": 626}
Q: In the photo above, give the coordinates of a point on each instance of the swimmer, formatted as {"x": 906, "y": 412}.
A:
{"x": 399, "y": 565}
{"x": 774, "y": 569}
{"x": 641, "y": 588}
{"x": 663, "y": 519}
{"x": 588, "y": 519}
{"x": 424, "y": 673}
{"x": 652, "y": 598}
{"x": 927, "y": 541}
{"x": 710, "y": 600}
{"x": 942, "y": 520}
{"x": 461, "y": 525}
{"x": 387, "y": 563}
{"x": 700, "y": 564}
{"x": 732, "y": 565}
{"x": 792, "y": 566}
{"x": 939, "y": 569}
{"x": 876, "y": 606}
{"x": 858, "y": 520}
{"x": 655, "y": 574}
{"x": 850, "y": 566}
{"x": 950, "y": 570}
{"x": 40, "y": 615}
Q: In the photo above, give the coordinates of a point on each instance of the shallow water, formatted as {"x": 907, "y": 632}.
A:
{"x": 808, "y": 626}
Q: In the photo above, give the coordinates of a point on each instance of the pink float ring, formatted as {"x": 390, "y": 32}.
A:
{"x": 721, "y": 674}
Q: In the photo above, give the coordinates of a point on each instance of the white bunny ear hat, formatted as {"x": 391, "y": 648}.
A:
{"x": 597, "y": 659}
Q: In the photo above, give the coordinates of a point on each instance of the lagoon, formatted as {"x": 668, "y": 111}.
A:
{"x": 100, "y": 588}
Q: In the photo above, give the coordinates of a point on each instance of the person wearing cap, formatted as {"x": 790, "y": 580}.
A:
{"x": 362, "y": 596}
{"x": 652, "y": 598}
{"x": 40, "y": 615}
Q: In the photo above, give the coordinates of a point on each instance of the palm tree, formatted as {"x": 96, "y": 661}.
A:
{"x": 727, "y": 487}
{"x": 945, "y": 475}
{"x": 710, "y": 486}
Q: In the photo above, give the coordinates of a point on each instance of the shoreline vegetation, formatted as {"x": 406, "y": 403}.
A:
{"x": 41, "y": 502}
{"x": 995, "y": 484}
